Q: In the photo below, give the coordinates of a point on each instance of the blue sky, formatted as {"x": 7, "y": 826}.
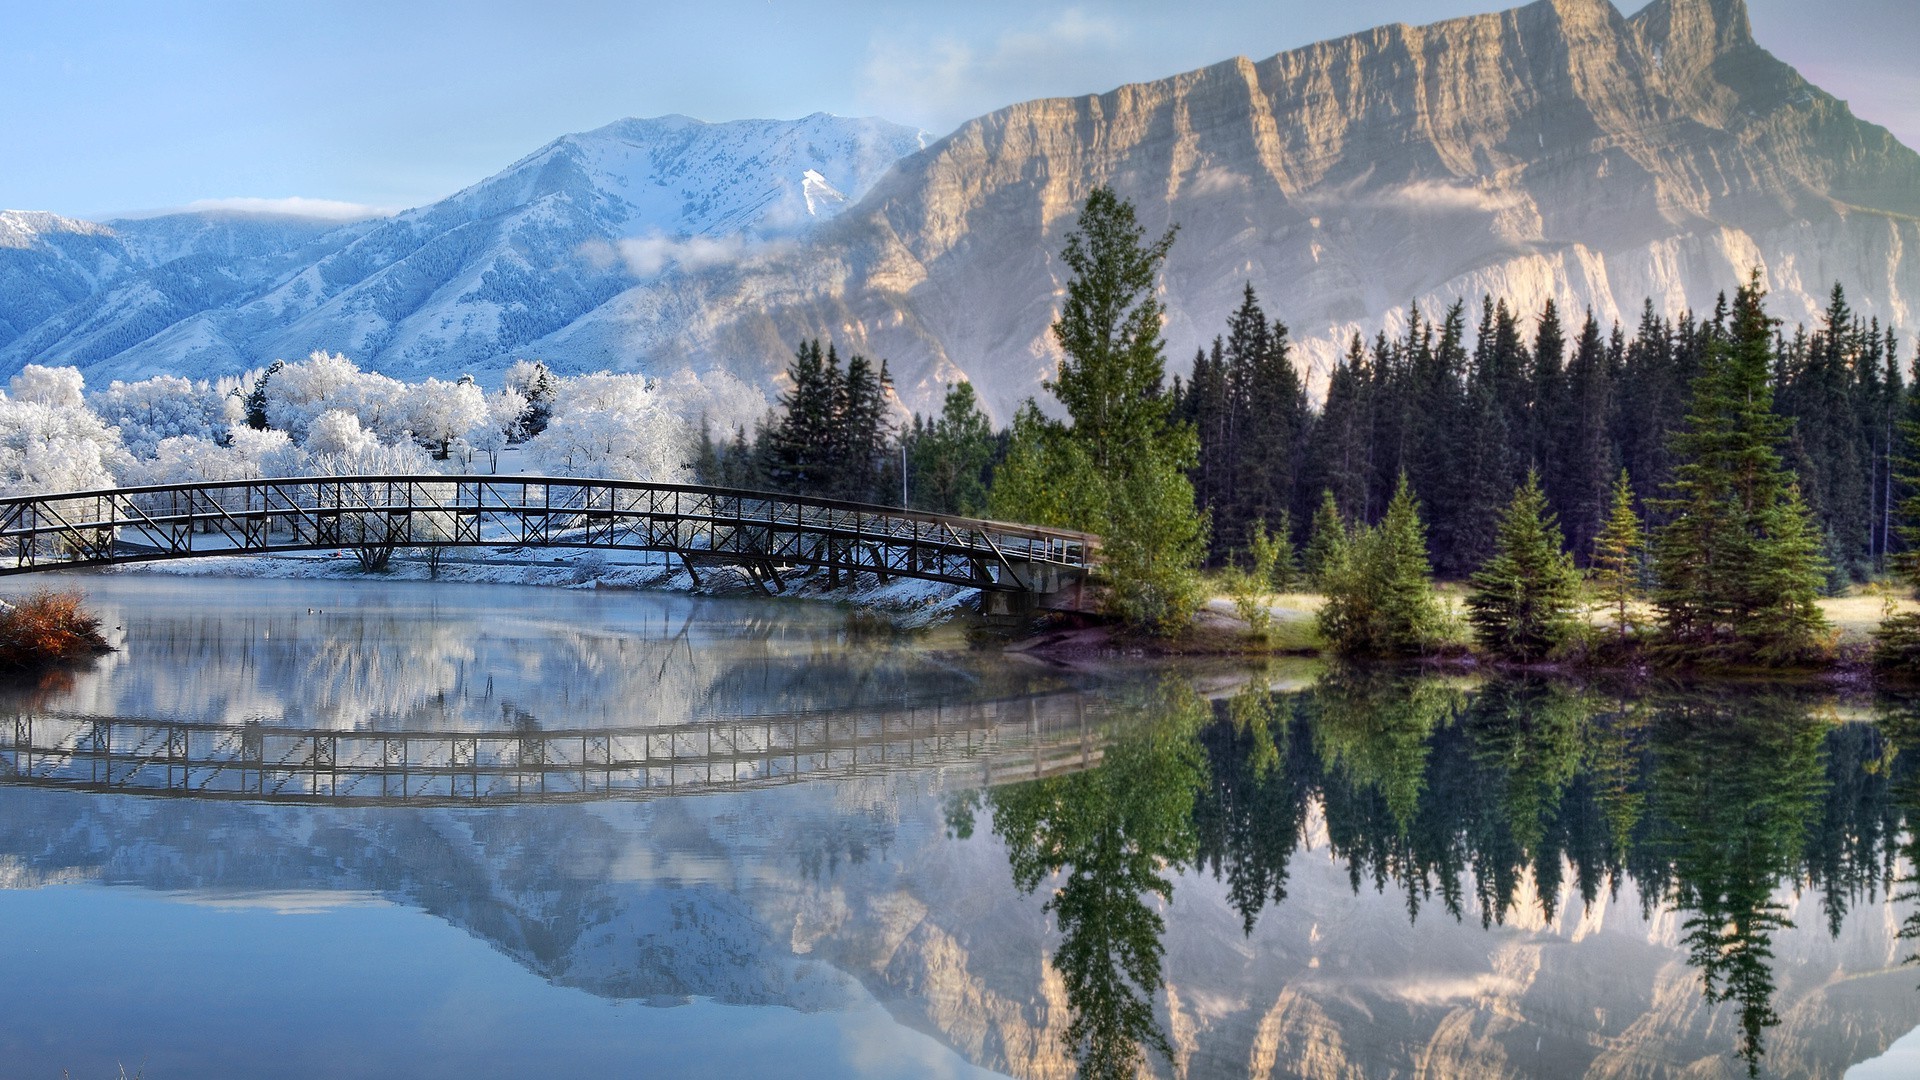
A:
{"x": 114, "y": 107}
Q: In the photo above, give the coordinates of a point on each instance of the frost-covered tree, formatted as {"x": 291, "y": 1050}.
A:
{"x": 371, "y": 534}
{"x": 439, "y": 412}
{"x": 727, "y": 401}
{"x": 338, "y": 431}
{"x": 159, "y": 408}
{"x": 295, "y": 396}
{"x": 59, "y": 386}
{"x": 505, "y": 408}
{"x": 533, "y": 381}
{"x": 613, "y": 426}
{"x": 47, "y": 448}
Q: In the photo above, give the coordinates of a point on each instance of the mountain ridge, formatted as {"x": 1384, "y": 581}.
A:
{"x": 1560, "y": 150}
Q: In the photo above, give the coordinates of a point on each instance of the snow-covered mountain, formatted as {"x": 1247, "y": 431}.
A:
{"x": 471, "y": 281}
{"x": 1559, "y": 150}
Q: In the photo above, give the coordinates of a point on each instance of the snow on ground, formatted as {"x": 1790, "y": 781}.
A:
{"x": 908, "y": 603}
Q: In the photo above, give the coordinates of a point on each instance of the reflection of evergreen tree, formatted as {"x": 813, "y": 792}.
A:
{"x": 1112, "y": 833}
{"x": 1733, "y": 795}
{"x": 1527, "y": 738}
{"x": 1373, "y": 728}
{"x": 1448, "y": 794}
{"x": 1901, "y": 725}
{"x": 1248, "y": 820}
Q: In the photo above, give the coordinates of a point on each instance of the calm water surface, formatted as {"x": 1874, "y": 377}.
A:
{"x": 384, "y": 829}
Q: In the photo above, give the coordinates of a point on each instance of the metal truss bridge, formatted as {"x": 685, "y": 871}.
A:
{"x": 765, "y": 535}
{"x": 976, "y": 743}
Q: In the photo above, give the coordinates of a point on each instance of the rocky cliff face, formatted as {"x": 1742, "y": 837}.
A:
{"x": 1559, "y": 150}
{"x": 1556, "y": 150}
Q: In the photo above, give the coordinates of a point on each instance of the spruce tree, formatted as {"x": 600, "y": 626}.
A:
{"x": 804, "y": 446}
{"x": 1326, "y": 542}
{"x": 1615, "y": 564}
{"x": 1379, "y": 594}
{"x": 1524, "y": 598}
{"x": 948, "y": 455}
{"x": 1787, "y": 578}
{"x": 1734, "y": 534}
{"x": 1123, "y": 462}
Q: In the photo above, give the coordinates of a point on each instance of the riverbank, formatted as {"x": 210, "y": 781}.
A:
{"x": 1218, "y": 630}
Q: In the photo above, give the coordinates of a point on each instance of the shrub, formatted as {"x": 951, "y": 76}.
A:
{"x": 47, "y": 628}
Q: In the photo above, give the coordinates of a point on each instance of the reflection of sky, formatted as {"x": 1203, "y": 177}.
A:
{"x": 96, "y": 979}
{"x": 1900, "y": 1062}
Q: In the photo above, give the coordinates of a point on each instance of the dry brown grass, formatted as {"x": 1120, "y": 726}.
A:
{"x": 47, "y": 628}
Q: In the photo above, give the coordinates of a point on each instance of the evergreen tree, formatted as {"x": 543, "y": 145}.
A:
{"x": 256, "y": 401}
{"x": 803, "y": 446}
{"x": 1343, "y": 444}
{"x": 1379, "y": 595}
{"x": 858, "y": 431}
{"x": 1730, "y": 537}
{"x": 1788, "y": 578}
{"x": 1326, "y": 542}
{"x": 1125, "y": 454}
{"x": 1524, "y": 598}
{"x": 1587, "y": 456}
{"x": 706, "y": 455}
{"x": 1615, "y": 564}
{"x": 948, "y": 456}
{"x": 1109, "y": 332}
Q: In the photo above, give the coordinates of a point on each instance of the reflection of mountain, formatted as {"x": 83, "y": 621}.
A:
{"x": 349, "y": 655}
{"x": 1559, "y": 831}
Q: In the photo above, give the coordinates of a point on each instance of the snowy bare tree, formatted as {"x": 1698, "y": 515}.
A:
{"x": 58, "y": 386}
{"x": 438, "y": 412}
{"x": 159, "y": 408}
{"x": 614, "y": 426}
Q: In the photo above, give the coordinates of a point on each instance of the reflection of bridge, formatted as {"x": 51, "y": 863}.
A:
{"x": 992, "y": 741}
{"x": 762, "y": 534}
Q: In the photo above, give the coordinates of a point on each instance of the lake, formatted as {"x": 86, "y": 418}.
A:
{"x": 367, "y": 828}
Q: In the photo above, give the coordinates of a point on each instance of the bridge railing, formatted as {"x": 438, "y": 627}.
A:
{"x": 757, "y": 529}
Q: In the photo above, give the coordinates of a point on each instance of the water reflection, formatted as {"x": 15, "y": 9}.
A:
{"x": 1367, "y": 875}
{"x": 1717, "y": 810}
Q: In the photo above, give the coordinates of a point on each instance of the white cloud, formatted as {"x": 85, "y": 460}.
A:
{"x": 651, "y": 255}
{"x": 949, "y": 79}
{"x": 295, "y": 206}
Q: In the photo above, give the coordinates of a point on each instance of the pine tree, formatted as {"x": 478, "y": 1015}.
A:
{"x": 804, "y": 446}
{"x": 1125, "y": 451}
{"x": 1615, "y": 564}
{"x": 1326, "y": 542}
{"x": 1109, "y": 332}
{"x": 948, "y": 456}
{"x": 1379, "y": 595}
{"x": 1524, "y": 598}
{"x": 1788, "y": 578}
{"x": 1730, "y": 538}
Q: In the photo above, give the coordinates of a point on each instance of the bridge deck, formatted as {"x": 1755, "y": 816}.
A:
{"x": 763, "y": 533}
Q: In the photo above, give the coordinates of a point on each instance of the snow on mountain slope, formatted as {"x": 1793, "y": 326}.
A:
{"x": 471, "y": 281}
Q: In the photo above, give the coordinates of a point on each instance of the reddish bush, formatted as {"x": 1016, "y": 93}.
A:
{"x": 47, "y": 628}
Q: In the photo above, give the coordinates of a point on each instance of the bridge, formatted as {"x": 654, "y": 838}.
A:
{"x": 766, "y": 536}
{"x": 979, "y": 743}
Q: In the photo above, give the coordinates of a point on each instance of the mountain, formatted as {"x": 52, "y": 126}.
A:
{"x": 471, "y": 281}
{"x": 1558, "y": 150}
{"x": 1555, "y": 150}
